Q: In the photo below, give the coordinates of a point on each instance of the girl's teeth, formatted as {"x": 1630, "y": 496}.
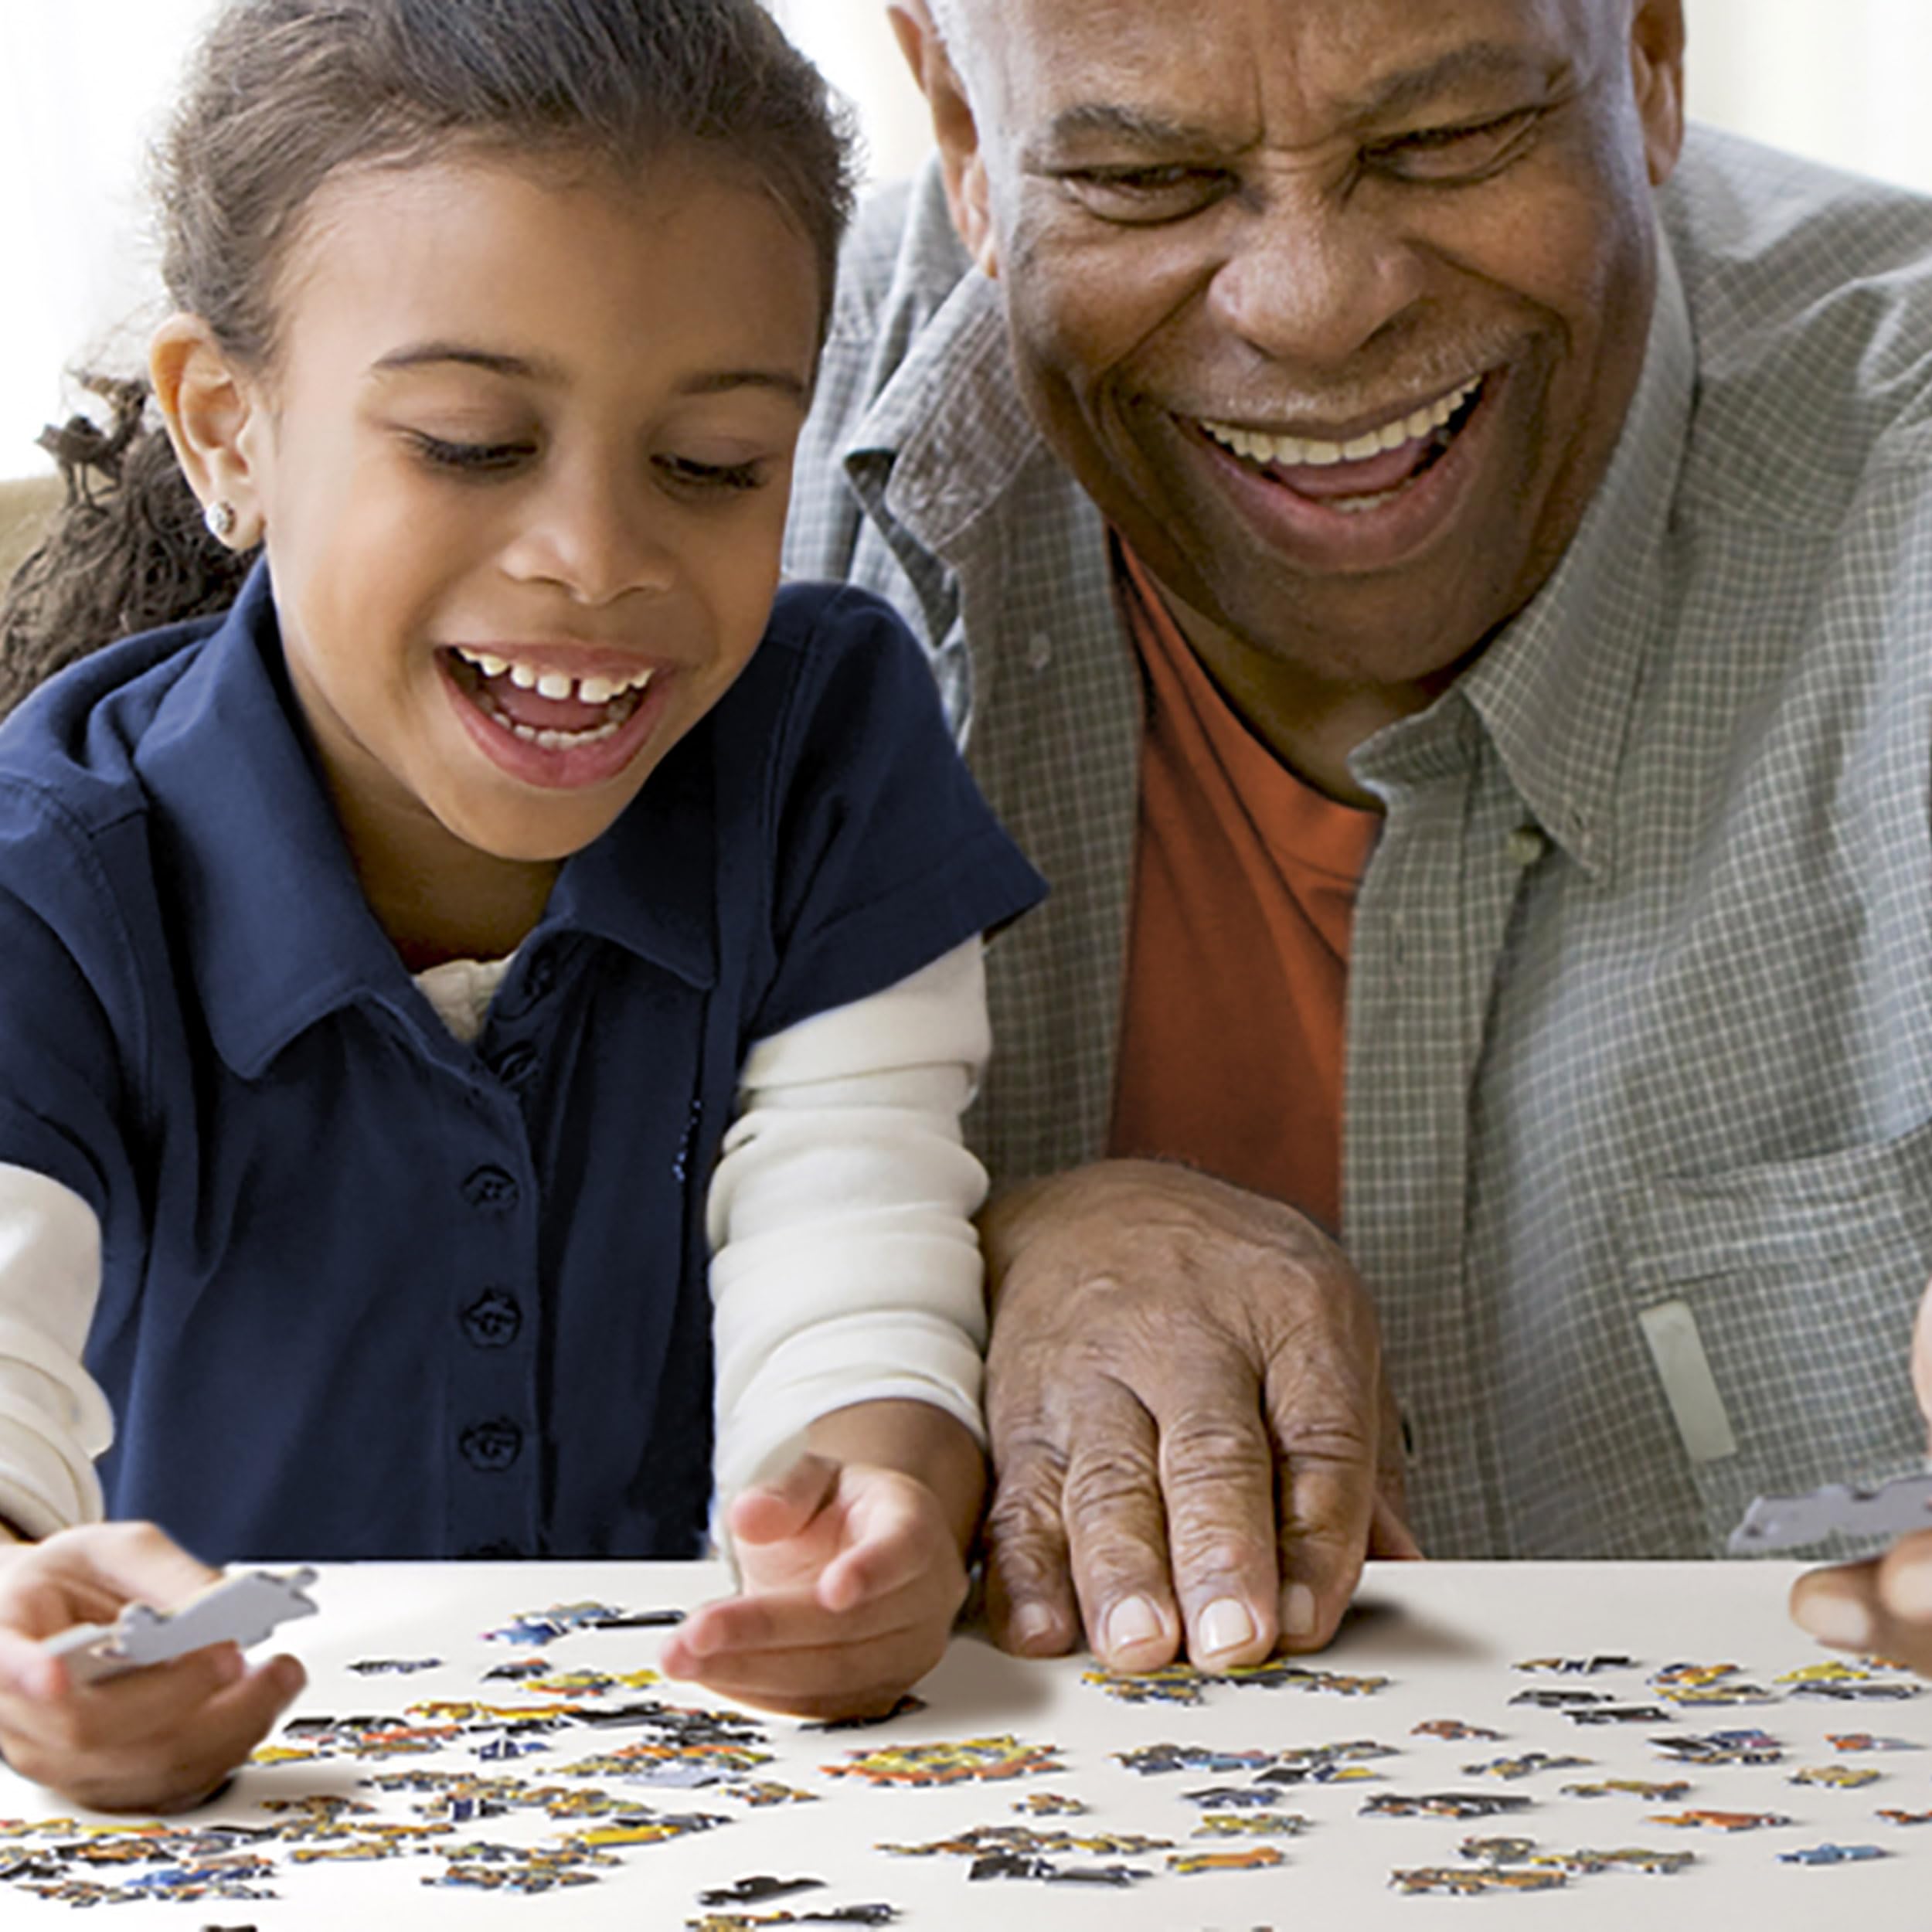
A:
{"x": 556, "y": 685}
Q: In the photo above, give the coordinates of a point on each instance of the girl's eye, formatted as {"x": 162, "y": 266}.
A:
{"x": 1458, "y": 154}
{"x": 471, "y": 459}
{"x": 697, "y": 476}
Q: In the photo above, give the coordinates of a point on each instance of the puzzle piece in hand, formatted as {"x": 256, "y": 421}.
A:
{"x": 1782, "y": 1522}
{"x": 242, "y": 1610}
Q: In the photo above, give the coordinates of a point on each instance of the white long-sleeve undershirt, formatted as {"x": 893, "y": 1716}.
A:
{"x": 845, "y": 1266}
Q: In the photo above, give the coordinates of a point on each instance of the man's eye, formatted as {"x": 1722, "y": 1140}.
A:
{"x": 1458, "y": 154}
{"x": 471, "y": 459}
{"x": 724, "y": 477}
{"x": 1148, "y": 194}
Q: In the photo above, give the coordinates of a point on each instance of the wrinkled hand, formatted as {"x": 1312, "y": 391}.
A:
{"x": 158, "y": 1740}
{"x": 1883, "y": 1606}
{"x": 1168, "y": 1353}
{"x": 852, "y": 1576}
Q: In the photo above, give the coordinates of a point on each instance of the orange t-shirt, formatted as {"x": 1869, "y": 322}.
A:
{"x": 1237, "y": 964}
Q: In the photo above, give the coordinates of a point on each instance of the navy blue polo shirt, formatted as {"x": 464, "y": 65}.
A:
{"x": 367, "y": 1291}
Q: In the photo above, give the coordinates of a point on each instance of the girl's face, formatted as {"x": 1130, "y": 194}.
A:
{"x": 522, "y": 463}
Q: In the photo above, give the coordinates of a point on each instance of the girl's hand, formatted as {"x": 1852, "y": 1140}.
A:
{"x": 157, "y": 1739}
{"x": 852, "y": 1578}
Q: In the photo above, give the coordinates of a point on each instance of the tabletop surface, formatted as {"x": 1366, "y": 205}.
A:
{"x": 1081, "y": 1803}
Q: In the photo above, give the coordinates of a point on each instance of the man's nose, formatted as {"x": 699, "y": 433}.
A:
{"x": 1313, "y": 278}
{"x": 597, "y": 534}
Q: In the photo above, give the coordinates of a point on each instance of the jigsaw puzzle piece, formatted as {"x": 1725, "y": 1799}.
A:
{"x": 242, "y": 1609}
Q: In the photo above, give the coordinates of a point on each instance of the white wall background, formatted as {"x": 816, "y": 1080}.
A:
{"x": 80, "y": 81}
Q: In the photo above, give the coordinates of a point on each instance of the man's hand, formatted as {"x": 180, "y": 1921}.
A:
{"x": 1884, "y": 1607}
{"x": 157, "y": 1739}
{"x": 1170, "y": 1355}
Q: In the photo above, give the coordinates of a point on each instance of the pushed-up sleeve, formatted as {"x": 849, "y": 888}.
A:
{"x": 54, "y": 1420}
{"x": 65, "y": 961}
{"x": 846, "y": 1266}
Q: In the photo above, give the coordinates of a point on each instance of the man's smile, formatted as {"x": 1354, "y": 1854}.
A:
{"x": 1366, "y": 502}
{"x": 1282, "y": 450}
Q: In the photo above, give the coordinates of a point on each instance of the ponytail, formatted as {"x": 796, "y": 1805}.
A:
{"x": 129, "y": 550}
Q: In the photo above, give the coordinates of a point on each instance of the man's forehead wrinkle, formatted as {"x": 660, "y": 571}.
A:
{"x": 1484, "y": 63}
{"x": 1139, "y": 126}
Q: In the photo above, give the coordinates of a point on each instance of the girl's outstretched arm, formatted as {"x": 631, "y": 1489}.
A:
{"x": 853, "y": 1565}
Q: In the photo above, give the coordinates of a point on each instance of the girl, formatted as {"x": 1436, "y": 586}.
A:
{"x": 380, "y": 961}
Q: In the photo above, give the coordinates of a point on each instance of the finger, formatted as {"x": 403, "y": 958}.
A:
{"x": 792, "y": 1620}
{"x": 77, "y": 1719}
{"x": 131, "y": 1562}
{"x": 1389, "y": 1538}
{"x": 772, "y": 1511}
{"x": 166, "y": 1769}
{"x": 1217, "y": 1477}
{"x": 1882, "y": 1607}
{"x": 834, "y": 1678}
{"x": 1030, "y": 1606}
{"x": 1324, "y": 1395}
{"x": 1117, "y": 1532}
{"x": 1922, "y": 1356}
{"x": 898, "y": 1539}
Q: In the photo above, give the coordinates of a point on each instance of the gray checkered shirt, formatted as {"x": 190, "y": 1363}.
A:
{"x": 1638, "y": 1148}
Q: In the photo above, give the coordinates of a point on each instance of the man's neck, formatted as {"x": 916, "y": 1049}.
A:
{"x": 1312, "y": 723}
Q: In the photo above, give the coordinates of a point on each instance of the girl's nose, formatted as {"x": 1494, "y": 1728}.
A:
{"x": 597, "y": 537}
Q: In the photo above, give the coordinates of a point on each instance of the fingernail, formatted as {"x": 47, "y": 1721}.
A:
{"x": 1298, "y": 1610}
{"x": 1225, "y": 1625}
{"x": 1132, "y": 1624}
{"x": 1841, "y": 1621}
{"x": 1032, "y": 1624}
{"x": 1908, "y": 1592}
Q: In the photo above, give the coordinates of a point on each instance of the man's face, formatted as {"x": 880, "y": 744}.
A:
{"x": 1335, "y": 306}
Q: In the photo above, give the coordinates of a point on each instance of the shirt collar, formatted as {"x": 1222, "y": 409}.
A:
{"x": 1555, "y": 688}
{"x": 278, "y": 932}
{"x": 947, "y": 433}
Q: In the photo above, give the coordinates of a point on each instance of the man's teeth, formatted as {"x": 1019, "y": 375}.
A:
{"x": 554, "y": 684}
{"x": 1307, "y": 452}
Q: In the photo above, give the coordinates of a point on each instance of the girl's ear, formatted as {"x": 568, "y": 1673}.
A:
{"x": 211, "y": 408}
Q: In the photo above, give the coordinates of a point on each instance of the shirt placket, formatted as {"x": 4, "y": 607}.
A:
{"x": 495, "y": 1491}
{"x": 1430, "y": 925}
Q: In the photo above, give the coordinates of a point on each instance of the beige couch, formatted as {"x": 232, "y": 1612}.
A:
{"x": 25, "y": 507}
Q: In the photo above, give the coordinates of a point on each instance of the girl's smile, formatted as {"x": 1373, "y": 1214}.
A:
{"x": 553, "y": 716}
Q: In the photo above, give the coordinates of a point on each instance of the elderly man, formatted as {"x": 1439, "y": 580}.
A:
{"x": 1438, "y": 574}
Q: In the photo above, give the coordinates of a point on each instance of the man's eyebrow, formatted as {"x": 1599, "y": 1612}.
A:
{"x": 497, "y": 363}
{"x": 1483, "y": 62}
{"x": 1138, "y": 127}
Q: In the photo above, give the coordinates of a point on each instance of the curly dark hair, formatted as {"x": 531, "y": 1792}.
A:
{"x": 283, "y": 93}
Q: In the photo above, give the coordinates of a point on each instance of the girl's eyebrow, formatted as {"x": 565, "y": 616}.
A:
{"x": 708, "y": 383}
{"x": 419, "y": 354}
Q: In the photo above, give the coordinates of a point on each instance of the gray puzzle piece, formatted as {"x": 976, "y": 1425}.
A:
{"x": 242, "y": 1609}
{"x": 1782, "y": 1522}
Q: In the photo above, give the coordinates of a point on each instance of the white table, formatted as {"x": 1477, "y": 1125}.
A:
{"x": 1446, "y": 1636}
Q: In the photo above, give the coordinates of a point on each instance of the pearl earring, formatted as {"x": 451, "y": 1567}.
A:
{"x": 221, "y": 520}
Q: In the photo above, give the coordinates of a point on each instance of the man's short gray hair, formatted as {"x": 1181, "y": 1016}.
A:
{"x": 948, "y": 17}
